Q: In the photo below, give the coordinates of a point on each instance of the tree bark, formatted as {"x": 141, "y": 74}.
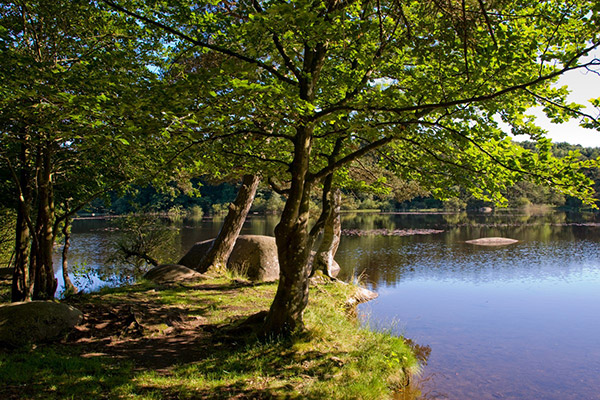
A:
{"x": 69, "y": 287}
{"x": 20, "y": 282}
{"x": 45, "y": 283}
{"x": 294, "y": 244}
{"x": 332, "y": 232}
{"x": 294, "y": 241}
{"x": 221, "y": 249}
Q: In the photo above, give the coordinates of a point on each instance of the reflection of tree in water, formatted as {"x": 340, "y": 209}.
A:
{"x": 367, "y": 221}
{"x": 456, "y": 218}
{"x": 385, "y": 260}
{"x": 552, "y": 245}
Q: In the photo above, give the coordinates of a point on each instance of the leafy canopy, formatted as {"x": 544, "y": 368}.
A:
{"x": 424, "y": 83}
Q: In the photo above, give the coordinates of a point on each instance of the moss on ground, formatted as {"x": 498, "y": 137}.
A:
{"x": 190, "y": 342}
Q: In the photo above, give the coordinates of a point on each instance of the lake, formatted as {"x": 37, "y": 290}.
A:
{"x": 513, "y": 322}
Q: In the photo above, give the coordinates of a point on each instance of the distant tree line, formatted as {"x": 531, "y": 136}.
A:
{"x": 214, "y": 198}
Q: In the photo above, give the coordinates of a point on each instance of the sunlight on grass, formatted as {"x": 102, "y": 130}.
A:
{"x": 335, "y": 358}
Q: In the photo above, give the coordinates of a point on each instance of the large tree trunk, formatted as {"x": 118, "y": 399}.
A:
{"x": 221, "y": 249}
{"x": 330, "y": 242}
{"x": 21, "y": 283}
{"x": 69, "y": 287}
{"x": 45, "y": 283}
{"x": 294, "y": 244}
{"x": 294, "y": 241}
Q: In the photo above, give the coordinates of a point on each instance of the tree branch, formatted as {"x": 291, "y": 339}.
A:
{"x": 277, "y": 187}
{"x": 349, "y": 158}
{"x": 200, "y": 43}
{"x": 475, "y": 99}
{"x": 286, "y": 59}
{"x": 488, "y": 22}
{"x": 547, "y": 100}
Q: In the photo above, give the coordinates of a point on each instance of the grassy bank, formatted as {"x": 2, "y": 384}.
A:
{"x": 189, "y": 341}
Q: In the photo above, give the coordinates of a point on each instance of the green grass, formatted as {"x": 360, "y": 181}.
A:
{"x": 58, "y": 372}
{"x": 335, "y": 358}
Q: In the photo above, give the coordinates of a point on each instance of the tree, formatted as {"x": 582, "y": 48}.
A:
{"x": 74, "y": 115}
{"x": 309, "y": 86}
{"x": 222, "y": 246}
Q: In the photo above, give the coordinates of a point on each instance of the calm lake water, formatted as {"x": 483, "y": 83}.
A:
{"x": 513, "y": 322}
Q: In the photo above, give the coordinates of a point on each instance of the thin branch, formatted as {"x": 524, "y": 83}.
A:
{"x": 563, "y": 107}
{"x": 496, "y": 160}
{"x": 286, "y": 59}
{"x": 257, "y": 157}
{"x": 465, "y": 44}
{"x": 488, "y": 22}
{"x": 269, "y": 68}
{"x": 440, "y": 159}
{"x": 276, "y": 186}
{"x": 485, "y": 97}
{"x": 349, "y": 158}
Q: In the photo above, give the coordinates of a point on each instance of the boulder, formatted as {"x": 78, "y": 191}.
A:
{"x": 492, "y": 241}
{"x": 168, "y": 273}
{"x": 36, "y": 321}
{"x": 253, "y": 256}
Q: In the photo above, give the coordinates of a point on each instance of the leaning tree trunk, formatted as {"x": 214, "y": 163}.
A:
{"x": 69, "y": 287}
{"x": 221, "y": 249}
{"x": 293, "y": 246}
{"x": 330, "y": 242}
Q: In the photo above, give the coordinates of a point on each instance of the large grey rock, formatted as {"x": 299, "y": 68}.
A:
{"x": 171, "y": 273}
{"x": 492, "y": 241}
{"x": 254, "y": 256}
{"x": 36, "y": 321}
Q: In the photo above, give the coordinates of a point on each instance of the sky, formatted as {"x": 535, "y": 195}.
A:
{"x": 584, "y": 86}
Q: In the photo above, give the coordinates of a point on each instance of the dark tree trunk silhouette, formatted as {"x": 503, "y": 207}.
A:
{"x": 69, "y": 287}
{"x": 21, "y": 280}
{"x": 44, "y": 281}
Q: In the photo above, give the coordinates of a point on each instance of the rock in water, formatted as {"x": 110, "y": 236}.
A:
{"x": 168, "y": 273}
{"x": 254, "y": 256}
{"x": 36, "y": 321}
{"x": 492, "y": 241}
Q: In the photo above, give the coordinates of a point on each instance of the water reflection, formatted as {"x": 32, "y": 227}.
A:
{"x": 515, "y": 322}
{"x": 93, "y": 246}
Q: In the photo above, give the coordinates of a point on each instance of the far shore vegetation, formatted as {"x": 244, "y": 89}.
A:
{"x": 214, "y": 198}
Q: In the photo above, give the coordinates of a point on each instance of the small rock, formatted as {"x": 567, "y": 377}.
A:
{"x": 361, "y": 295}
{"x": 492, "y": 241}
